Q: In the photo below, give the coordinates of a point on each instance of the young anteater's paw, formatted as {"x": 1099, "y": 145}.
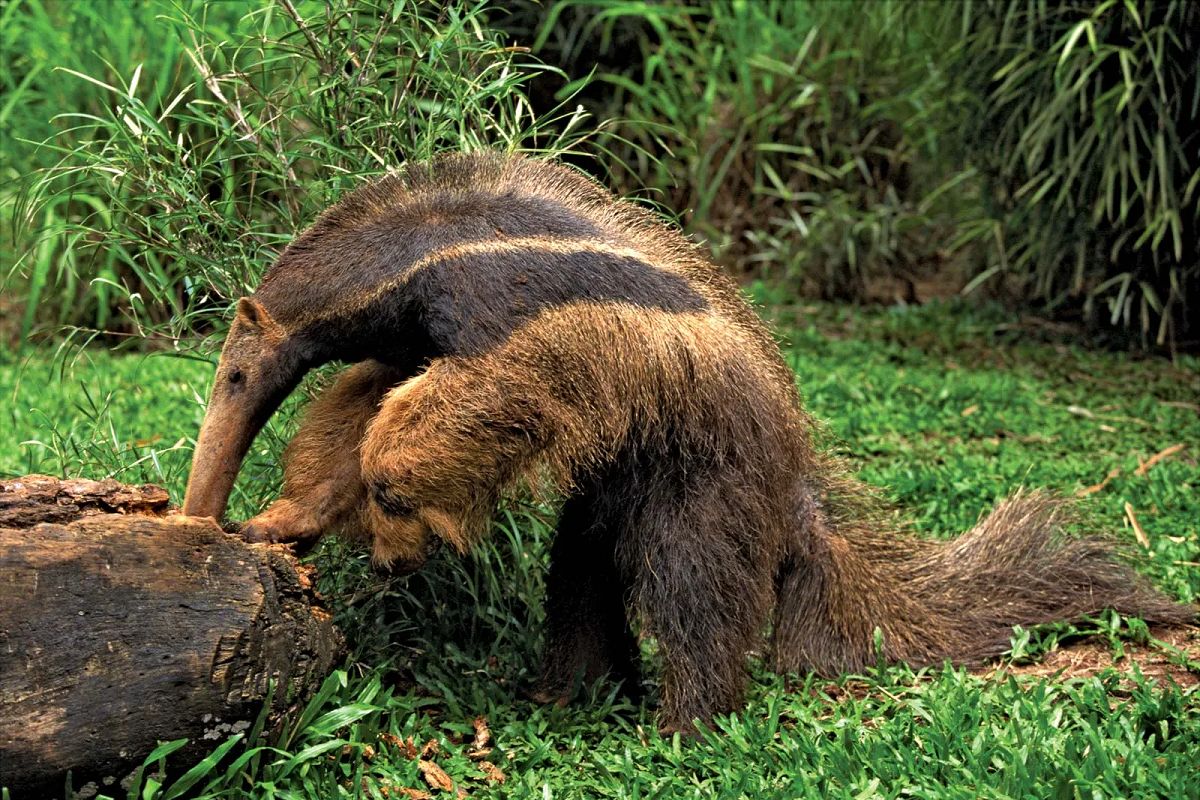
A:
{"x": 284, "y": 521}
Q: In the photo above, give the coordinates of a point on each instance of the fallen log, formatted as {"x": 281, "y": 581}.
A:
{"x": 121, "y": 628}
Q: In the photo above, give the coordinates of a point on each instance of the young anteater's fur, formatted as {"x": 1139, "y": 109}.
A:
{"x": 514, "y": 325}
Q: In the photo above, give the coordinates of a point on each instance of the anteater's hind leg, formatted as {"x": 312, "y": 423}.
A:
{"x": 703, "y": 589}
{"x": 815, "y": 629}
{"x": 819, "y": 625}
{"x": 322, "y": 481}
{"x": 587, "y": 628}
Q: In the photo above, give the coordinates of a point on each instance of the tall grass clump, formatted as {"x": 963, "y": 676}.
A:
{"x": 42, "y": 46}
{"x": 795, "y": 137}
{"x": 1086, "y": 127}
{"x": 189, "y": 148}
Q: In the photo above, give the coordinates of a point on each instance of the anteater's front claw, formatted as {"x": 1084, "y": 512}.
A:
{"x": 257, "y": 532}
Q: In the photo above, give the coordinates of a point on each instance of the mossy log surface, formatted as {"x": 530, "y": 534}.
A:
{"x": 121, "y": 627}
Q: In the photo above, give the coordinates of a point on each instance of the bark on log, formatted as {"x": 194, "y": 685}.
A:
{"x": 120, "y": 630}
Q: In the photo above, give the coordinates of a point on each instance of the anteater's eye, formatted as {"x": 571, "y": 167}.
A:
{"x": 236, "y": 376}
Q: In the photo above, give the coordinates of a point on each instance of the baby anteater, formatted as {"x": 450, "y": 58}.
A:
{"x": 513, "y": 326}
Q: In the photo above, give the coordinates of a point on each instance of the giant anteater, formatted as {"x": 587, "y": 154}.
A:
{"x": 513, "y": 326}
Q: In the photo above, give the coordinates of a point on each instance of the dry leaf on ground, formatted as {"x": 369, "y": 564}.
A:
{"x": 493, "y": 773}
{"x": 414, "y": 794}
{"x": 437, "y": 778}
{"x": 1142, "y": 538}
{"x": 406, "y": 746}
{"x": 479, "y": 746}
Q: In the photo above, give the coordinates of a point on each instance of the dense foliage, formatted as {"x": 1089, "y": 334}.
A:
{"x": 1085, "y": 122}
{"x": 1049, "y": 150}
{"x": 1042, "y": 151}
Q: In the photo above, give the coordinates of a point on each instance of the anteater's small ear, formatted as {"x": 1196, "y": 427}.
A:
{"x": 250, "y": 310}
{"x": 252, "y": 313}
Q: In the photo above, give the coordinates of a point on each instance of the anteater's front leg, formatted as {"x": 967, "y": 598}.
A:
{"x": 587, "y": 627}
{"x": 322, "y": 481}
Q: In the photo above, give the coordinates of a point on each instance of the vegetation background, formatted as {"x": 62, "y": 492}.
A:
{"x": 1017, "y": 181}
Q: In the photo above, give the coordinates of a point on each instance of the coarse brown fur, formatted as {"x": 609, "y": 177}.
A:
{"x": 517, "y": 329}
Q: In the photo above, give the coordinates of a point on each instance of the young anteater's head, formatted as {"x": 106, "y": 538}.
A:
{"x": 260, "y": 365}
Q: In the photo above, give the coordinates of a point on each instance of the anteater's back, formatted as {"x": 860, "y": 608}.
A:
{"x": 488, "y": 203}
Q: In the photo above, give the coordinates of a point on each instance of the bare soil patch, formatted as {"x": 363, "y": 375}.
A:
{"x": 1090, "y": 657}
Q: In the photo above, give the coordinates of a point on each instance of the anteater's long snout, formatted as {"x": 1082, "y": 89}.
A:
{"x": 224, "y": 440}
{"x": 259, "y": 367}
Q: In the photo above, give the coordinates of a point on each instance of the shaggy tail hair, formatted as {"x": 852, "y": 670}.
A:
{"x": 956, "y": 600}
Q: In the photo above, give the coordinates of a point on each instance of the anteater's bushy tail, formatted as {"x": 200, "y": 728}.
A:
{"x": 956, "y": 600}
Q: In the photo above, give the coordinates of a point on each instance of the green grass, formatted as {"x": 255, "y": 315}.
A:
{"x": 1082, "y": 118}
{"x": 947, "y": 408}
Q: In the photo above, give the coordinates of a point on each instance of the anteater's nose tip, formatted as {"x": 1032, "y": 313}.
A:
{"x": 196, "y": 508}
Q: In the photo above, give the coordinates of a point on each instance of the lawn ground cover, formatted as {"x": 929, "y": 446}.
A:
{"x": 946, "y": 408}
